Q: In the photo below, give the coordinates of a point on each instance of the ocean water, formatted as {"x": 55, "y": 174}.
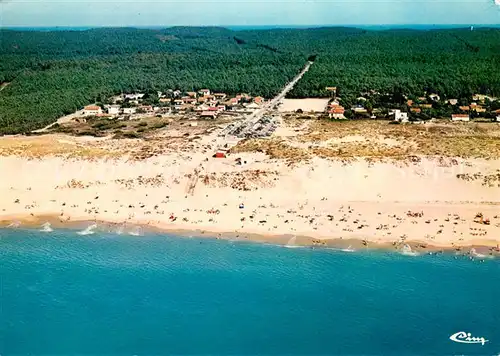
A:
{"x": 64, "y": 293}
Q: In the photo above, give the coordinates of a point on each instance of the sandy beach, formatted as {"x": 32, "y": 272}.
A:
{"x": 429, "y": 202}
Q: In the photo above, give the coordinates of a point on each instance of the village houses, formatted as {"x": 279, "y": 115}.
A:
{"x": 113, "y": 109}
{"x": 92, "y": 110}
{"x": 129, "y": 111}
{"x": 460, "y": 117}
{"x": 335, "y": 111}
{"x": 400, "y": 116}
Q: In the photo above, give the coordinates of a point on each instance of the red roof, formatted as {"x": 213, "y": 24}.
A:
{"x": 337, "y": 110}
{"x": 92, "y": 107}
{"x": 459, "y": 115}
{"x": 208, "y": 113}
{"x": 212, "y": 109}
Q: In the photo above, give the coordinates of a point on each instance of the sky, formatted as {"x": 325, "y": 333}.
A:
{"x": 75, "y": 13}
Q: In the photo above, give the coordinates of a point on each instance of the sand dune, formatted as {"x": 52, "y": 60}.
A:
{"x": 321, "y": 199}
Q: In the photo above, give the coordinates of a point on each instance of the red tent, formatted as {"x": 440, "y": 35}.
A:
{"x": 220, "y": 155}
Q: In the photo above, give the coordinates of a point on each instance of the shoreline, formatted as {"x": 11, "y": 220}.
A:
{"x": 267, "y": 194}
{"x": 482, "y": 247}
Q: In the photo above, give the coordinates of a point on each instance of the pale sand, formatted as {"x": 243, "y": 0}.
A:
{"x": 306, "y": 105}
{"x": 320, "y": 199}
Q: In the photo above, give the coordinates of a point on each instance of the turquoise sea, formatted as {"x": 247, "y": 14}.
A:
{"x": 102, "y": 294}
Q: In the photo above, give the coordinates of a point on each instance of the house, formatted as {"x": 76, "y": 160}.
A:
{"x": 178, "y": 103}
{"x": 164, "y": 100}
{"x": 332, "y": 89}
{"x": 146, "y": 108}
{"x": 188, "y": 100}
{"x": 359, "y": 110}
{"x": 460, "y": 117}
{"x": 176, "y": 93}
{"x": 479, "y": 108}
{"x": 334, "y": 103}
{"x": 166, "y": 110}
{"x": 452, "y": 101}
{"x": 234, "y": 101}
{"x": 336, "y": 113}
{"x": 221, "y": 107}
{"x": 498, "y": 118}
{"x": 202, "y": 107}
{"x": 400, "y": 116}
{"x": 464, "y": 108}
{"x": 220, "y": 96}
{"x": 191, "y": 94}
{"x": 213, "y": 108}
{"x": 136, "y": 96}
{"x": 208, "y": 114}
{"x": 204, "y": 92}
{"x": 434, "y": 97}
{"x": 482, "y": 98}
{"x": 113, "y": 109}
{"x": 92, "y": 110}
{"x": 186, "y": 107}
{"x": 129, "y": 110}
{"x": 258, "y": 100}
{"x": 422, "y": 98}
{"x": 409, "y": 102}
{"x": 202, "y": 99}
{"x": 416, "y": 110}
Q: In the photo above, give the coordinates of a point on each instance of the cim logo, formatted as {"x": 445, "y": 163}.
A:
{"x": 467, "y": 338}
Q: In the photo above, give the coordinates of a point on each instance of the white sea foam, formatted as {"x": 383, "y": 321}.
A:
{"x": 88, "y": 231}
{"x": 136, "y": 232}
{"x": 476, "y": 254}
{"x": 407, "y": 251}
{"x": 14, "y": 224}
{"x": 46, "y": 227}
{"x": 291, "y": 242}
{"x": 348, "y": 249}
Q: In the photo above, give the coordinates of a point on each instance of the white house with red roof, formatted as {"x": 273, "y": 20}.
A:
{"x": 337, "y": 113}
{"x": 460, "y": 117}
{"x": 92, "y": 110}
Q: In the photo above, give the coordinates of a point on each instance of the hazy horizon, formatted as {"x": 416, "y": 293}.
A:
{"x": 254, "y": 27}
{"x": 253, "y": 13}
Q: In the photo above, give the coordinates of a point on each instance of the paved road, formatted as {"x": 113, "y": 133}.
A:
{"x": 253, "y": 118}
{"x": 273, "y": 102}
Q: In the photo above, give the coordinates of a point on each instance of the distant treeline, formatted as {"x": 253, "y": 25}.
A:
{"x": 55, "y": 73}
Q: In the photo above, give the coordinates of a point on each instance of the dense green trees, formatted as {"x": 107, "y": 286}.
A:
{"x": 412, "y": 62}
{"x": 55, "y": 73}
